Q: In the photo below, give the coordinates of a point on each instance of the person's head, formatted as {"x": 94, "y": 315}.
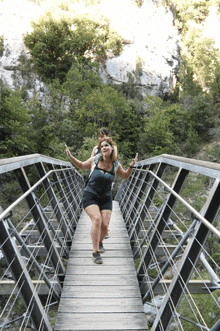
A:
{"x": 106, "y": 144}
{"x": 102, "y": 133}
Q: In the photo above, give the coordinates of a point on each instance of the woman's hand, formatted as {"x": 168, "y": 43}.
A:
{"x": 134, "y": 160}
{"x": 67, "y": 151}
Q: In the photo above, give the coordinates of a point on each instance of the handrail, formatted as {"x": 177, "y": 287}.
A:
{"x": 14, "y": 163}
{"x": 206, "y": 168}
{"x": 186, "y": 204}
{"x": 16, "y": 202}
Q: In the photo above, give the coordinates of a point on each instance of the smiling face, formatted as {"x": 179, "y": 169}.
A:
{"x": 106, "y": 148}
{"x": 106, "y": 145}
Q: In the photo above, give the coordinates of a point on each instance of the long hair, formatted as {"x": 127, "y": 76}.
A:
{"x": 110, "y": 142}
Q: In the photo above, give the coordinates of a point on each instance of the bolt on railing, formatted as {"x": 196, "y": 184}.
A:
{"x": 171, "y": 209}
{"x": 35, "y": 239}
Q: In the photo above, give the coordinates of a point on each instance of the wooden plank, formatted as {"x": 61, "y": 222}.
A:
{"x": 102, "y": 270}
{"x": 104, "y": 321}
{"x": 100, "y": 291}
{"x": 194, "y": 286}
{"x": 108, "y": 245}
{"x": 108, "y": 253}
{"x": 99, "y": 305}
{"x": 84, "y": 261}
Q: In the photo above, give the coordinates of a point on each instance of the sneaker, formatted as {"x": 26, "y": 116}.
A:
{"x": 107, "y": 236}
{"x": 101, "y": 248}
{"x": 97, "y": 258}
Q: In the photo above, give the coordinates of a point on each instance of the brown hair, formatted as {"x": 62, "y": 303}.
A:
{"x": 103, "y": 131}
{"x": 111, "y": 142}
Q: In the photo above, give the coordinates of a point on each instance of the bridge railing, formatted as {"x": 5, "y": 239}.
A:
{"x": 171, "y": 209}
{"x": 36, "y": 232}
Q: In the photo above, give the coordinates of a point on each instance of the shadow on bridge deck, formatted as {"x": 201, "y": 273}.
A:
{"x": 101, "y": 297}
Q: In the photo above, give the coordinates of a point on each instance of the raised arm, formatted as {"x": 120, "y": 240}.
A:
{"x": 125, "y": 174}
{"x": 94, "y": 151}
{"x": 79, "y": 164}
{"x": 115, "y": 155}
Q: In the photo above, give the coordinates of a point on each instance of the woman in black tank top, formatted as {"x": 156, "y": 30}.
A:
{"x": 97, "y": 199}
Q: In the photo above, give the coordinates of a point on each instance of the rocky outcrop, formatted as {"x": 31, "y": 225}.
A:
{"x": 149, "y": 61}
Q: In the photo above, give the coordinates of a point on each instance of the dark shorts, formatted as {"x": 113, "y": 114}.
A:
{"x": 93, "y": 199}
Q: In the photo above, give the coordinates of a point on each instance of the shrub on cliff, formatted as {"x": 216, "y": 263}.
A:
{"x": 56, "y": 43}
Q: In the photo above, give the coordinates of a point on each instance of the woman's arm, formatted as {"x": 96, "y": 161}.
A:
{"x": 125, "y": 174}
{"x": 94, "y": 151}
{"x": 79, "y": 164}
{"x": 115, "y": 153}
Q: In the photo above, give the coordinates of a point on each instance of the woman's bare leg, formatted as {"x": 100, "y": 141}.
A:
{"x": 106, "y": 215}
{"x": 94, "y": 213}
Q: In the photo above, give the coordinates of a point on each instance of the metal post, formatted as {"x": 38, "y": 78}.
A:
{"x": 55, "y": 205}
{"x": 146, "y": 203}
{"x": 63, "y": 197}
{"x": 188, "y": 262}
{"x": 36, "y": 264}
{"x": 23, "y": 280}
{"x": 143, "y": 182}
{"x": 131, "y": 195}
{"x": 161, "y": 224}
{"x": 76, "y": 203}
{"x": 69, "y": 196}
{"x": 41, "y": 225}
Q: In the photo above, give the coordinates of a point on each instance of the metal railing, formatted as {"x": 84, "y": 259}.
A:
{"x": 36, "y": 232}
{"x": 171, "y": 209}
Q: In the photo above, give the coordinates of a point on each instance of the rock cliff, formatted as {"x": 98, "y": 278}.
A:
{"x": 150, "y": 58}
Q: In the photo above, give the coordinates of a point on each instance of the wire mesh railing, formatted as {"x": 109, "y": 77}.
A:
{"x": 36, "y": 232}
{"x": 171, "y": 209}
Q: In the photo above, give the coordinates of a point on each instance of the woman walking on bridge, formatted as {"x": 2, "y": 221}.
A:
{"x": 104, "y": 133}
{"x": 97, "y": 196}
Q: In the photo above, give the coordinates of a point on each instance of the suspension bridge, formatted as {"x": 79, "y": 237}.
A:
{"x": 161, "y": 266}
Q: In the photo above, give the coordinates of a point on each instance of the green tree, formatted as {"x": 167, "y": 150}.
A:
{"x": 81, "y": 81}
{"x": 14, "y": 128}
{"x": 57, "y": 43}
{"x": 157, "y": 136}
{"x": 200, "y": 54}
{"x": 189, "y": 10}
{"x": 198, "y": 113}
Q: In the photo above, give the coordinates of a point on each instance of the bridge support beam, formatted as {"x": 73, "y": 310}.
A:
{"x": 70, "y": 197}
{"x": 41, "y": 225}
{"x": 161, "y": 224}
{"x": 188, "y": 262}
{"x": 23, "y": 280}
{"x": 63, "y": 197}
{"x": 146, "y": 203}
{"x": 54, "y": 203}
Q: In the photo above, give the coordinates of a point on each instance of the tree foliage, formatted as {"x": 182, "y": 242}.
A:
{"x": 66, "y": 50}
{"x": 14, "y": 125}
{"x": 56, "y": 43}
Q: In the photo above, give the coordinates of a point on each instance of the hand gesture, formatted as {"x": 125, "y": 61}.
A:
{"x": 67, "y": 151}
{"x": 134, "y": 160}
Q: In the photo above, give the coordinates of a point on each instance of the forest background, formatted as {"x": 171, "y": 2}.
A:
{"x": 78, "y": 103}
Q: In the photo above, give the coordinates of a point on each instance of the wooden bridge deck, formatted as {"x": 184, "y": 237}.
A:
{"x": 101, "y": 297}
